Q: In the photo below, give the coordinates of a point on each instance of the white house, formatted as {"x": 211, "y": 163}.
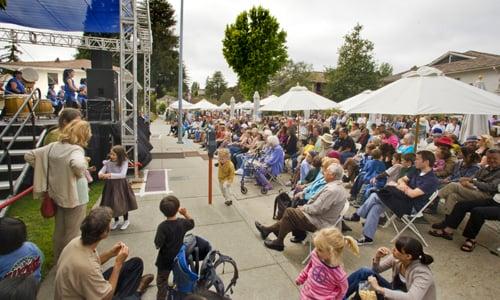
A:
{"x": 467, "y": 67}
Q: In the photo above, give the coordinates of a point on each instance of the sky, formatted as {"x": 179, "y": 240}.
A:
{"x": 405, "y": 32}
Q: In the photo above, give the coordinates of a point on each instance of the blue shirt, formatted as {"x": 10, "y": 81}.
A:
{"x": 427, "y": 182}
{"x": 20, "y": 87}
{"x": 372, "y": 168}
{"x": 69, "y": 94}
{"x": 25, "y": 260}
{"x": 317, "y": 185}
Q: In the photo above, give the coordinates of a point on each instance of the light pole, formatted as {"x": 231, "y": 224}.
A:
{"x": 180, "y": 132}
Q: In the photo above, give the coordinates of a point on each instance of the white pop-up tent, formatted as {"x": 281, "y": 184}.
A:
{"x": 427, "y": 91}
{"x": 354, "y": 100}
{"x": 203, "y": 104}
{"x": 299, "y": 98}
{"x": 185, "y": 105}
{"x": 246, "y": 105}
{"x": 223, "y": 106}
{"x": 268, "y": 100}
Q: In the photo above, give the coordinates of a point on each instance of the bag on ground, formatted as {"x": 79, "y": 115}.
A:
{"x": 281, "y": 202}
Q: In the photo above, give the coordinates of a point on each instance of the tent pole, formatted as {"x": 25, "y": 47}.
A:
{"x": 417, "y": 131}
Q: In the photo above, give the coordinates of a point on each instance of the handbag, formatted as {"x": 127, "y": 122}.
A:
{"x": 48, "y": 208}
{"x": 281, "y": 203}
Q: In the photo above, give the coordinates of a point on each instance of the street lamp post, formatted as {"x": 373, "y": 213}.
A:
{"x": 179, "y": 88}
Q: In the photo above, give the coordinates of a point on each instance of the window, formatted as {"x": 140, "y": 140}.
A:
{"x": 53, "y": 78}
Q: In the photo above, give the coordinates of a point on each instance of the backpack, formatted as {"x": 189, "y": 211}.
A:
{"x": 208, "y": 274}
{"x": 281, "y": 203}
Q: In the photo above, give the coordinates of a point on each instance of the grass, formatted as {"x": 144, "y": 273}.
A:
{"x": 40, "y": 229}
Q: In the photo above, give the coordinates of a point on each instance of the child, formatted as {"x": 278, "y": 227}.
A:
{"x": 392, "y": 174}
{"x": 225, "y": 175}
{"x": 117, "y": 193}
{"x": 326, "y": 260}
{"x": 407, "y": 160}
{"x": 169, "y": 238}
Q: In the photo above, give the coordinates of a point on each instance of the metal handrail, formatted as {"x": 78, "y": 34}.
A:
{"x": 6, "y": 148}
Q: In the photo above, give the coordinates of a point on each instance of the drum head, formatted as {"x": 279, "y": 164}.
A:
{"x": 29, "y": 74}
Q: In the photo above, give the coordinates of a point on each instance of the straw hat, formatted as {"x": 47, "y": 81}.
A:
{"x": 327, "y": 138}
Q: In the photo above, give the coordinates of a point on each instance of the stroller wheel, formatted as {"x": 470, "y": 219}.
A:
{"x": 263, "y": 190}
{"x": 243, "y": 190}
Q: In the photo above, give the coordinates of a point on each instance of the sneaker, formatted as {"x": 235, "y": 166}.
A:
{"x": 115, "y": 225}
{"x": 228, "y": 202}
{"x": 239, "y": 172}
{"x": 125, "y": 225}
{"x": 364, "y": 241}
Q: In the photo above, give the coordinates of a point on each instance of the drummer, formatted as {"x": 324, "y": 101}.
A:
{"x": 52, "y": 96}
{"x": 70, "y": 89}
{"x": 15, "y": 84}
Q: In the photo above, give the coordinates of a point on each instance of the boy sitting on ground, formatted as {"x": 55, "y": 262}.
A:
{"x": 169, "y": 238}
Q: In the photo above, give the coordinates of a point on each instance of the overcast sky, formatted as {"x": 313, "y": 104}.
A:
{"x": 405, "y": 33}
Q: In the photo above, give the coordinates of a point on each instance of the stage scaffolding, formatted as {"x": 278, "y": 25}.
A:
{"x": 135, "y": 39}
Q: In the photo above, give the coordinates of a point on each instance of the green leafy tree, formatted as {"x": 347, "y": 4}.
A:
{"x": 161, "y": 108}
{"x": 3, "y": 4}
{"x": 195, "y": 89}
{"x": 356, "y": 69}
{"x": 384, "y": 70}
{"x": 255, "y": 48}
{"x": 215, "y": 86}
{"x": 291, "y": 74}
{"x": 233, "y": 91}
{"x": 12, "y": 52}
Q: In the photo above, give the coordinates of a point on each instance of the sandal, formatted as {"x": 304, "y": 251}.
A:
{"x": 442, "y": 234}
{"x": 468, "y": 245}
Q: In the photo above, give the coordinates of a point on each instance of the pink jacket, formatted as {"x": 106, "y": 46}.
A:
{"x": 321, "y": 282}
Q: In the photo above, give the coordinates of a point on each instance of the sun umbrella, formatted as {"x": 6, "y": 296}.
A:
{"x": 185, "y": 105}
{"x": 204, "y": 105}
{"x": 232, "y": 108}
{"x": 246, "y": 105}
{"x": 299, "y": 98}
{"x": 354, "y": 100}
{"x": 268, "y": 100}
{"x": 474, "y": 124}
{"x": 427, "y": 91}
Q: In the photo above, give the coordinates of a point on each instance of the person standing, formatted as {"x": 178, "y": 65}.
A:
{"x": 70, "y": 89}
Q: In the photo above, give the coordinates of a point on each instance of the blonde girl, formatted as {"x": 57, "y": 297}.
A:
{"x": 225, "y": 175}
{"x": 324, "y": 276}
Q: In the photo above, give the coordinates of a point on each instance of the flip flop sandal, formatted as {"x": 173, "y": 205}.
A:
{"x": 441, "y": 234}
{"x": 468, "y": 245}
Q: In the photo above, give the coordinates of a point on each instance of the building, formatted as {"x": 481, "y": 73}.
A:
{"x": 52, "y": 71}
{"x": 317, "y": 82}
{"x": 468, "y": 67}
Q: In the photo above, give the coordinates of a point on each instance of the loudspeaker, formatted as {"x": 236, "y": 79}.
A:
{"x": 100, "y": 59}
{"x": 102, "y": 83}
{"x": 101, "y": 109}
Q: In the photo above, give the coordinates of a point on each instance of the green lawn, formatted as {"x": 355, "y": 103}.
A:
{"x": 39, "y": 229}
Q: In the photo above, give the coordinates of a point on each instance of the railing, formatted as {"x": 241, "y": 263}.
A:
{"x": 35, "y": 98}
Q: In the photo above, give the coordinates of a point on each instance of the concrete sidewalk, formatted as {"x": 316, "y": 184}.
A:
{"x": 267, "y": 274}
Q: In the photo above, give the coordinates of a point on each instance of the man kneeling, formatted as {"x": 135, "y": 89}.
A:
{"x": 322, "y": 210}
{"x": 79, "y": 269}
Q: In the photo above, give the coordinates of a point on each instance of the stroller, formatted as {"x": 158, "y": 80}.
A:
{"x": 250, "y": 169}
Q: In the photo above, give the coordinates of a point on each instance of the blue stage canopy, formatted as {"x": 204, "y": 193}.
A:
{"x": 98, "y": 16}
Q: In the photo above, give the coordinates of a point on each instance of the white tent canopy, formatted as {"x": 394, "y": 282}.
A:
{"x": 428, "y": 91}
{"x": 299, "y": 98}
{"x": 203, "y": 104}
{"x": 246, "y": 105}
{"x": 223, "y": 106}
{"x": 354, "y": 100}
{"x": 185, "y": 105}
{"x": 268, "y": 100}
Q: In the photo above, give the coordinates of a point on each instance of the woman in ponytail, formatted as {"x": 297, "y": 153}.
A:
{"x": 411, "y": 276}
{"x": 324, "y": 276}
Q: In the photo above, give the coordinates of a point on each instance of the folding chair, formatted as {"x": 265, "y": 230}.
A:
{"x": 409, "y": 219}
{"x": 310, "y": 234}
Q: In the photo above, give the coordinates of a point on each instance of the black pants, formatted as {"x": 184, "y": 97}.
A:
{"x": 480, "y": 210}
{"x": 128, "y": 280}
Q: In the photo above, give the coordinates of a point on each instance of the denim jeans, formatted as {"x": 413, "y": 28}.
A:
{"x": 361, "y": 275}
{"x": 370, "y": 211}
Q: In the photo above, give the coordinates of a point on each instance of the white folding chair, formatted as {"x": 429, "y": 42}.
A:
{"x": 409, "y": 220}
{"x": 310, "y": 234}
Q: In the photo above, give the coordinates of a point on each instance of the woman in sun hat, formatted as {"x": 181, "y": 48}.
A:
{"x": 326, "y": 144}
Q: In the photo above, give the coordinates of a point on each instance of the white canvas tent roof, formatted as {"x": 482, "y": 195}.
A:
{"x": 299, "y": 98}
{"x": 185, "y": 105}
{"x": 428, "y": 91}
{"x": 268, "y": 100}
{"x": 354, "y": 100}
{"x": 203, "y": 104}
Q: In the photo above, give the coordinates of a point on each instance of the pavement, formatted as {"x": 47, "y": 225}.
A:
{"x": 267, "y": 274}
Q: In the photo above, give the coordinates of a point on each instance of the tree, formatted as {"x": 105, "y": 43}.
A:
{"x": 195, "y": 89}
{"x": 356, "y": 68}
{"x": 291, "y": 74}
{"x": 161, "y": 108}
{"x": 233, "y": 91}
{"x": 384, "y": 70}
{"x": 215, "y": 86}
{"x": 3, "y": 4}
{"x": 254, "y": 47}
{"x": 12, "y": 52}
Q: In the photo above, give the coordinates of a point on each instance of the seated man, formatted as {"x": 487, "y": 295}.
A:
{"x": 79, "y": 267}
{"x": 321, "y": 211}
{"x": 345, "y": 145}
{"x": 482, "y": 186}
{"x": 410, "y": 192}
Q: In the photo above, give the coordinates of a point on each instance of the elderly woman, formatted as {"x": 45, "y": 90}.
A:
{"x": 407, "y": 144}
{"x": 65, "y": 163}
{"x": 272, "y": 164}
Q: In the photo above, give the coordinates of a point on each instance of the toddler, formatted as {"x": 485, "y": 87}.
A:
{"x": 225, "y": 175}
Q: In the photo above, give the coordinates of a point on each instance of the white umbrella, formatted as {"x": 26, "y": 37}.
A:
{"x": 474, "y": 124}
{"x": 185, "y": 105}
{"x": 299, "y": 98}
{"x": 268, "y": 100}
{"x": 232, "y": 108}
{"x": 246, "y": 105}
{"x": 428, "y": 91}
{"x": 354, "y": 100}
{"x": 256, "y": 106}
{"x": 224, "y": 106}
{"x": 204, "y": 105}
